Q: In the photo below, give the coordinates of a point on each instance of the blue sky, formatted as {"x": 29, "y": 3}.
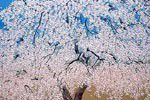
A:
{"x": 3, "y": 5}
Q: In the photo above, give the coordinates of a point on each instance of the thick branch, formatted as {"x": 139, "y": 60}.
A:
{"x": 66, "y": 94}
{"x": 79, "y": 93}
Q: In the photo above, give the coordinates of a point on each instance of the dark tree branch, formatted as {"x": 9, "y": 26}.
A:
{"x": 76, "y": 48}
{"x": 28, "y": 89}
{"x": 75, "y": 60}
{"x": 66, "y": 94}
{"x": 36, "y": 31}
{"x": 79, "y": 93}
{"x": 25, "y": 2}
{"x": 98, "y": 58}
{"x": 49, "y": 55}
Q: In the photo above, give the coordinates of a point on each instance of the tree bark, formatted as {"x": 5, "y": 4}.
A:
{"x": 66, "y": 94}
{"x": 79, "y": 93}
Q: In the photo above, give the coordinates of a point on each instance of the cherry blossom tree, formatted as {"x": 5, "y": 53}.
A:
{"x": 48, "y": 47}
